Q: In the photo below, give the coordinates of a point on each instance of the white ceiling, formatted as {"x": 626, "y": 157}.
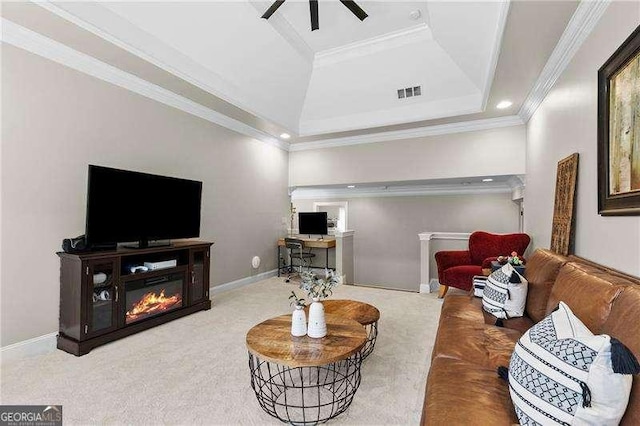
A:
{"x": 262, "y": 78}
{"x": 341, "y": 77}
{"x": 224, "y": 46}
{"x": 338, "y": 26}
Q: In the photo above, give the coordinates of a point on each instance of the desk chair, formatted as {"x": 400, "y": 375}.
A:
{"x": 296, "y": 251}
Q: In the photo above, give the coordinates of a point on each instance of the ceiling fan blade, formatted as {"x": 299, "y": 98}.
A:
{"x": 276, "y": 4}
{"x": 355, "y": 9}
{"x": 313, "y": 7}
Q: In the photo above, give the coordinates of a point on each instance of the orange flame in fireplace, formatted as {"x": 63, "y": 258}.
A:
{"x": 151, "y": 304}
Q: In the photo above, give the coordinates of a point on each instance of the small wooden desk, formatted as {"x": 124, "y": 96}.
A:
{"x": 325, "y": 243}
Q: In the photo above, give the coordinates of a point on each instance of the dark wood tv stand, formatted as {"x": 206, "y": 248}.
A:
{"x": 101, "y": 300}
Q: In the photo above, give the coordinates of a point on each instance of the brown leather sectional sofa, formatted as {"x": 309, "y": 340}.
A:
{"x": 463, "y": 387}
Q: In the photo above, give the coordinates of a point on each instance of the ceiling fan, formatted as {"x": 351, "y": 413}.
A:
{"x": 313, "y": 7}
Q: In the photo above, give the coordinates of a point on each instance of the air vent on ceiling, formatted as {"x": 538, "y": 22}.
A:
{"x": 409, "y": 92}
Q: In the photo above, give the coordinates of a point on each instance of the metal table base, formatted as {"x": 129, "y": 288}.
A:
{"x": 305, "y": 395}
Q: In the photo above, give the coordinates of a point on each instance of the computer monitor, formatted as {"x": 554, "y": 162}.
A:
{"x": 312, "y": 223}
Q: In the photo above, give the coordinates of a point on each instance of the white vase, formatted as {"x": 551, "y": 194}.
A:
{"x": 317, "y": 325}
{"x": 298, "y": 322}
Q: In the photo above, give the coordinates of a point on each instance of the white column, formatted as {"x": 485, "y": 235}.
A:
{"x": 344, "y": 255}
{"x": 426, "y": 255}
{"x": 425, "y": 260}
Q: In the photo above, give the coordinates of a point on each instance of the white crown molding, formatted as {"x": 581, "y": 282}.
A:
{"x": 400, "y": 191}
{"x": 581, "y": 24}
{"x": 115, "y": 29}
{"x": 286, "y": 31}
{"x": 441, "y": 129}
{"x": 495, "y": 52}
{"x": 517, "y": 181}
{"x": 38, "y": 44}
{"x": 390, "y": 40}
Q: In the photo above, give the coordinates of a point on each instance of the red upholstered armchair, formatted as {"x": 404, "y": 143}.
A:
{"x": 457, "y": 268}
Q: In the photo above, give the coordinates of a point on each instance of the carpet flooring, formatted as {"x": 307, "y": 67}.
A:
{"x": 195, "y": 370}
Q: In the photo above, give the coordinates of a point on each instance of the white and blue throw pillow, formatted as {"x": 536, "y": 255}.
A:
{"x": 505, "y": 293}
{"x": 479, "y": 282}
{"x": 562, "y": 374}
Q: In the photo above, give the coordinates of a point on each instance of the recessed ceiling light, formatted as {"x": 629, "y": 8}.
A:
{"x": 285, "y": 135}
{"x": 487, "y": 180}
{"x": 351, "y": 186}
{"x": 504, "y": 104}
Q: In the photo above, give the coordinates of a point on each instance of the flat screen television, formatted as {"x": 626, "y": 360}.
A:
{"x": 126, "y": 206}
{"x": 312, "y": 223}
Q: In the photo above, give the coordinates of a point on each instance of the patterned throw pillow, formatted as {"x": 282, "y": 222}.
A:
{"x": 505, "y": 293}
{"x": 479, "y": 283}
{"x": 561, "y": 374}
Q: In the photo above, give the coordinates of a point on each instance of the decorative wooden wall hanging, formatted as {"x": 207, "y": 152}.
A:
{"x": 562, "y": 231}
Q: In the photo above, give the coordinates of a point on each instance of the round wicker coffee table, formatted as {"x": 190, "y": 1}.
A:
{"x": 301, "y": 380}
{"x": 367, "y": 315}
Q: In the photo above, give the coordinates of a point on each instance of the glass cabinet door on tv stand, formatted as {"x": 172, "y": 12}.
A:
{"x": 101, "y": 291}
{"x": 199, "y": 280}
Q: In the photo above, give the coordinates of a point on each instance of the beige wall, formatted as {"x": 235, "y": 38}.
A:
{"x": 567, "y": 122}
{"x": 480, "y": 153}
{"x": 386, "y": 244}
{"x": 55, "y": 121}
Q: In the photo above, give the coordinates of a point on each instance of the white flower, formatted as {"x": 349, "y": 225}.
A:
{"x": 318, "y": 287}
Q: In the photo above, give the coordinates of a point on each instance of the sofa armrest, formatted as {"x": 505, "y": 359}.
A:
{"x": 447, "y": 259}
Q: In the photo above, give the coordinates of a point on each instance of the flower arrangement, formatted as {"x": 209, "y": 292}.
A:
{"x": 319, "y": 287}
{"x": 513, "y": 259}
{"x": 299, "y": 302}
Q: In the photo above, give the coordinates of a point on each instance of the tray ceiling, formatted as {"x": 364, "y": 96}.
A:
{"x": 350, "y": 79}
{"x": 342, "y": 79}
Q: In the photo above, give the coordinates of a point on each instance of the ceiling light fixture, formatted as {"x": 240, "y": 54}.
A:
{"x": 285, "y": 135}
{"x": 351, "y": 186}
{"x": 487, "y": 180}
{"x": 504, "y": 104}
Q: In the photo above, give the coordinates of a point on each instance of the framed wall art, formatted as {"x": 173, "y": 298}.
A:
{"x": 619, "y": 131}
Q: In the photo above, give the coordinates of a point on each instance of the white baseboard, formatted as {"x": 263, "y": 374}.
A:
{"x": 242, "y": 282}
{"x": 433, "y": 286}
{"x": 28, "y": 348}
{"x": 47, "y": 343}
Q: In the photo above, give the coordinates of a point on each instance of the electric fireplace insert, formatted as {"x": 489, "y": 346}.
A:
{"x": 153, "y": 296}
